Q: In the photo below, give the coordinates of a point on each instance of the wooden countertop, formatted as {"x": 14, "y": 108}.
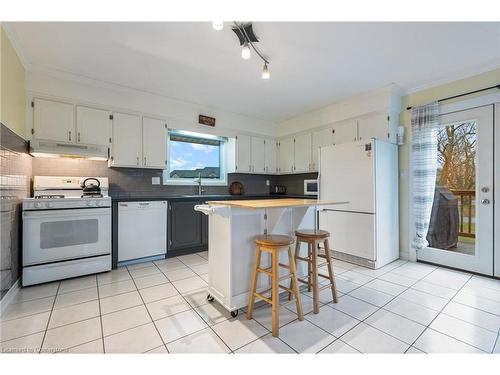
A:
{"x": 273, "y": 203}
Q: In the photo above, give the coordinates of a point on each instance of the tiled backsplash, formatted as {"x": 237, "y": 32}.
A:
{"x": 15, "y": 177}
{"x": 125, "y": 182}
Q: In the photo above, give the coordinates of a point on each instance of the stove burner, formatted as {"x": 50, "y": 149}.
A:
{"x": 58, "y": 196}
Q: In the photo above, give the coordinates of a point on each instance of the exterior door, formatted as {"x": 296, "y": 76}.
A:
{"x": 461, "y": 229}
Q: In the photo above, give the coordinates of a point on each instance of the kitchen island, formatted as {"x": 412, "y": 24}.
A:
{"x": 233, "y": 225}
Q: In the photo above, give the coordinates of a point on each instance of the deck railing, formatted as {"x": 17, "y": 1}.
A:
{"x": 466, "y": 207}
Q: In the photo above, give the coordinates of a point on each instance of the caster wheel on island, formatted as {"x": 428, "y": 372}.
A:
{"x": 210, "y": 298}
{"x": 234, "y": 314}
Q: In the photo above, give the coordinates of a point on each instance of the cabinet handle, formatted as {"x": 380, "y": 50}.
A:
{"x": 144, "y": 160}
{"x": 69, "y": 135}
{"x": 138, "y": 160}
{"x": 78, "y": 136}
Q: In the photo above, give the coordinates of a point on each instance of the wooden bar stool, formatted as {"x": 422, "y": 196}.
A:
{"x": 273, "y": 244}
{"x": 312, "y": 238}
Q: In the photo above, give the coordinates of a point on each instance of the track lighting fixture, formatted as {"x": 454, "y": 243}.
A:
{"x": 218, "y": 25}
{"x": 247, "y": 38}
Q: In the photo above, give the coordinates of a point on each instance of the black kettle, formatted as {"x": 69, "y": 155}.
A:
{"x": 91, "y": 189}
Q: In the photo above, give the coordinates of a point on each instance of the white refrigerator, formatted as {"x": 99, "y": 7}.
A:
{"x": 364, "y": 231}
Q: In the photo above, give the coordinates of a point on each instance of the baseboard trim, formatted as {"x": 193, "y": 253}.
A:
{"x": 9, "y": 296}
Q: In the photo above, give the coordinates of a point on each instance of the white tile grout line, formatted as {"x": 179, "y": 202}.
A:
{"x": 48, "y": 321}
{"x": 100, "y": 315}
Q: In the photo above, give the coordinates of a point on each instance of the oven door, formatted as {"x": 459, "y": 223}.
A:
{"x": 56, "y": 235}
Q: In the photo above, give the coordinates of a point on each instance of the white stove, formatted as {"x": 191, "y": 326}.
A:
{"x": 66, "y": 232}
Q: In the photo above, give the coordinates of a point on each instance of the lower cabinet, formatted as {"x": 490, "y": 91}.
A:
{"x": 187, "y": 228}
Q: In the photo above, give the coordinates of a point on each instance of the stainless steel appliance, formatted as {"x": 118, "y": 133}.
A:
{"x": 310, "y": 187}
{"x": 65, "y": 233}
{"x": 278, "y": 189}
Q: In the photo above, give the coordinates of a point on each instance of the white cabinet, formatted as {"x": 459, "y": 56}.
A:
{"x": 377, "y": 125}
{"x": 258, "y": 147}
{"x": 345, "y": 131}
{"x": 270, "y": 155}
{"x": 154, "y": 143}
{"x": 320, "y": 138}
{"x": 286, "y": 155}
{"x": 54, "y": 121}
{"x": 127, "y": 141}
{"x": 93, "y": 126}
{"x": 243, "y": 153}
{"x": 302, "y": 153}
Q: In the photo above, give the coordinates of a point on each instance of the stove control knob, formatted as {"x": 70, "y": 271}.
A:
{"x": 90, "y": 203}
{"x": 49, "y": 204}
{"x": 37, "y": 205}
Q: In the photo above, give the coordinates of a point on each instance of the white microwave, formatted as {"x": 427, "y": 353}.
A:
{"x": 310, "y": 187}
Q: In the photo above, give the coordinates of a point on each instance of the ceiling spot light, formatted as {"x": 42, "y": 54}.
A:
{"x": 245, "y": 52}
{"x": 265, "y": 72}
{"x": 218, "y": 25}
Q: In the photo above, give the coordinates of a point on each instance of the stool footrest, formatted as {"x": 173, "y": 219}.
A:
{"x": 325, "y": 287}
{"x": 267, "y": 271}
{"x": 302, "y": 281}
{"x": 305, "y": 259}
{"x": 284, "y": 277}
{"x": 264, "y": 298}
{"x": 324, "y": 276}
{"x": 284, "y": 265}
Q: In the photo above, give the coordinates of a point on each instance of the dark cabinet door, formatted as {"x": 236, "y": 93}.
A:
{"x": 185, "y": 225}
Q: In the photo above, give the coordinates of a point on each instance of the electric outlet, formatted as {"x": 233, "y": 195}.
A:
{"x": 155, "y": 180}
{"x": 267, "y": 183}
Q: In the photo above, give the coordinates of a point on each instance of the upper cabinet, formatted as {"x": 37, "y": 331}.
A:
{"x": 320, "y": 138}
{"x": 286, "y": 155}
{"x": 345, "y": 131}
{"x": 154, "y": 143}
{"x": 258, "y": 155}
{"x": 243, "y": 153}
{"x": 302, "y": 153}
{"x": 271, "y": 153}
{"x": 138, "y": 143}
{"x": 378, "y": 125}
{"x": 53, "y": 120}
{"x": 93, "y": 126}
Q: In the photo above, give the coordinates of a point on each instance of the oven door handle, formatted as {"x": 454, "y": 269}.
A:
{"x": 68, "y": 213}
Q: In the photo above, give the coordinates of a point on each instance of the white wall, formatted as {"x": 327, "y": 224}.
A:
{"x": 179, "y": 114}
{"x": 385, "y": 99}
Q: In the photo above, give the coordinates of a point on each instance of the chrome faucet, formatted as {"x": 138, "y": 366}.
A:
{"x": 200, "y": 188}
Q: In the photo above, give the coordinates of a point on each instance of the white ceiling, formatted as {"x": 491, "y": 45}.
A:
{"x": 312, "y": 64}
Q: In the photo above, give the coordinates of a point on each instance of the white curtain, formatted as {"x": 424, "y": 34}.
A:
{"x": 424, "y": 125}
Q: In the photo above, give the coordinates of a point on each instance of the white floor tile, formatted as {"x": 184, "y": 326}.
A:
{"x": 72, "y": 334}
{"x": 386, "y": 287}
{"x": 146, "y": 271}
{"x": 481, "y": 291}
{"x": 401, "y": 328}
{"x": 113, "y": 276}
{"x": 12, "y": 329}
{"x": 124, "y": 319}
{"x": 93, "y": 347}
{"x": 434, "y": 342}
{"x": 24, "y": 345}
{"x": 76, "y": 297}
{"x": 424, "y": 299}
{"x": 263, "y": 315}
{"x": 159, "y": 350}
{"x": 170, "y": 264}
{"x": 304, "y": 337}
{"x": 333, "y": 321}
{"x": 484, "y": 282}
{"x": 205, "y": 277}
{"x": 204, "y": 341}
{"x": 345, "y": 286}
{"x": 197, "y": 297}
{"x": 434, "y": 289}
{"x": 307, "y": 304}
{"x": 239, "y": 332}
{"x": 367, "y": 339}
{"x": 167, "y": 307}
{"x": 339, "y": 347}
{"x": 414, "y": 270}
{"x": 399, "y": 279}
{"x": 213, "y": 313}
{"x": 325, "y": 295}
{"x": 187, "y": 285}
{"x": 354, "y": 307}
{"x": 480, "y": 303}
{"x": 120, "y": 302}
{"x": 474, "y": 316}
{"x": 158, "y": 292}
{"x": 355, "y": 277}
{"x": 267, "y": 344}
{"x": 35, "y": 292}
{"x": 151, "y": 280}
{"x": 180, "y": 274}
{"x": 466, "y": 332}
{"x": 138, "y": 266}
{"x": 371, "y": 272}
{"x": 74, "y": 313}
{"x": 200, "y": 269}
{"x": 448, "y": 278}
{"x": 344, "y": 265}
{"x": 413, "y": 311}
{"x": 136, "y": 340}
{"x": 113, "y": 289}
{"x": 78, "y": 283}
{"x": 192, "y": 260}
{"x": 176, "y": 326}
{"x": 37, "y": 306}
{"x": 371, "y": 296}
{"x": 412, "y": 350}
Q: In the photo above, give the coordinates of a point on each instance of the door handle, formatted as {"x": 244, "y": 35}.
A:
{"x": 78, "y": 135}
{"x": 138, "y": 160}
{"x": 485, "y": 201}
{"x": 69, "y": 135}
{"x": 144, "y": 160}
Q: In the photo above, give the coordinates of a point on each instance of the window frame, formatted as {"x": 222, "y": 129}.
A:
{"x": 221, "y": 181}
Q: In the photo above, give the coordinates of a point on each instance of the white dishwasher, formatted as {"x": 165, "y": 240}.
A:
{"x": 142, "y": 229}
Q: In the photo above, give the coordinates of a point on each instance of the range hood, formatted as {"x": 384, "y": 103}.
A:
{"x": 54, "y": 149}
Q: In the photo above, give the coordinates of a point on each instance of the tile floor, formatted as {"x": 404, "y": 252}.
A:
{"x": 161, "y": 307}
